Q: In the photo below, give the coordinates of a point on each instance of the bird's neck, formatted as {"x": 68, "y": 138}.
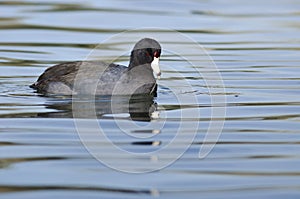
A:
{"x": 133, "y": 61}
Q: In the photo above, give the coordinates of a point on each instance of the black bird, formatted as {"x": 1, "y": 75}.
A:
{"x": 100, "y": 78}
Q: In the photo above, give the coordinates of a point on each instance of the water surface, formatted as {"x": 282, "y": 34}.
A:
{"x": 256, "y": 48}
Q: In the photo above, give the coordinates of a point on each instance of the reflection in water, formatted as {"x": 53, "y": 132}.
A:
{"x": 139, "y": 107}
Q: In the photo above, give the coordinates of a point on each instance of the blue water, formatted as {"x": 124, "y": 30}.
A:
{"x": 256, "y": 48}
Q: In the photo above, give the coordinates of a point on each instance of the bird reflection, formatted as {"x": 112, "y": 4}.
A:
{"x": 139, "y": 107}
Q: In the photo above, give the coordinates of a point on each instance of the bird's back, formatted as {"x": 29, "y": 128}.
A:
{"x": 61, "y": 78}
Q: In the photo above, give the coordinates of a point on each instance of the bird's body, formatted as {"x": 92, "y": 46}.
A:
{"x": 100, "y": 78}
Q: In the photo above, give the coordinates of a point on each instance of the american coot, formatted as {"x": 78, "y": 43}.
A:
{"x": 100, "y": 78}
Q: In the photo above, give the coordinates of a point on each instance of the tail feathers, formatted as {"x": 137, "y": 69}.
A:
{"x": 34, "y": 85}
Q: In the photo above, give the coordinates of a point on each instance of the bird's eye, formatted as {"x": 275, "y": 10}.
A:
{"x": 156, "y": 54}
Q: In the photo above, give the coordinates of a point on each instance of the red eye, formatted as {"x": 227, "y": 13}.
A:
{"x": 156, "y": 54}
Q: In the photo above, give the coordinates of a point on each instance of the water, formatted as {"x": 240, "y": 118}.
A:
{"x": 256, "y": 48}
